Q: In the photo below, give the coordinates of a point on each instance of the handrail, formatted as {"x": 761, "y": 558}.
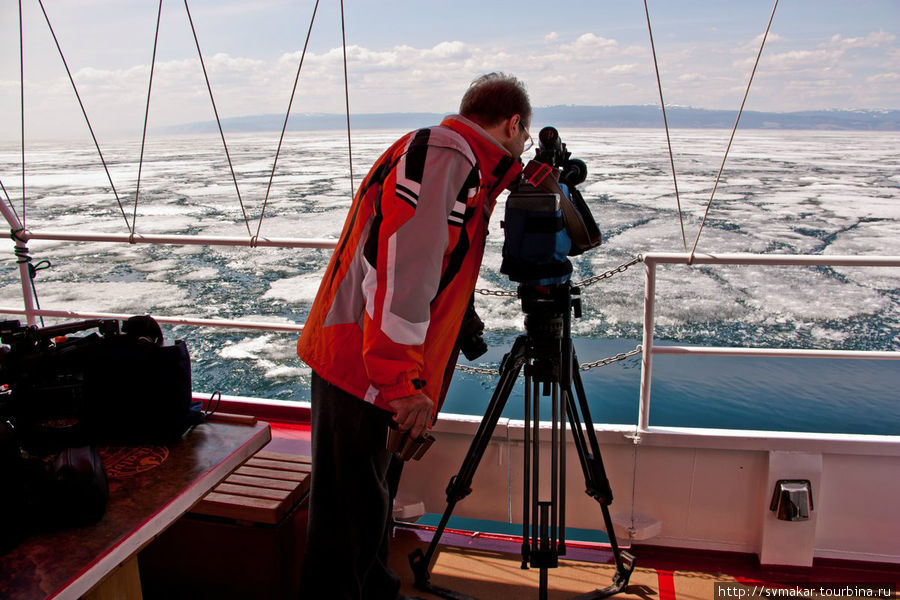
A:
{"x": 188, "y": 240}
{"x": 776, "y": 353}
{"x": 196, "y": 321}
{"x": 652, "y": 259}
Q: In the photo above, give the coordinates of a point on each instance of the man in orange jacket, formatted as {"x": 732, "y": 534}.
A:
{"x": 381, "y": 337}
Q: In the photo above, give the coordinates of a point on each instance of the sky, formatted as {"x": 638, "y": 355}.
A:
{"x": 419, "y": 56}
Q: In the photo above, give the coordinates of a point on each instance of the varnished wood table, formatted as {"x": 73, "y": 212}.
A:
{"x": 150, "y": 487}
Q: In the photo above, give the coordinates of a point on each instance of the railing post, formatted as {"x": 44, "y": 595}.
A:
{"x": 647, "y": 345}
{"x": 21, "y": 252}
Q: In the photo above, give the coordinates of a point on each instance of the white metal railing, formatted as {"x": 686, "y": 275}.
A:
{"x": 651, "y": 260}
{"x": 31, "y": 312}
{"x": 195, "y": 321}
{"x": 187, "y": 240}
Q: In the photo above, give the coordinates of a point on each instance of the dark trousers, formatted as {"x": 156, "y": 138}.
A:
{"x": 354, "y": 480}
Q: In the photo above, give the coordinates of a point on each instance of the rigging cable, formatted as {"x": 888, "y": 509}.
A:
{"x": 218, "y": 121}
{"x": 286, "y": 117}
{"x": 9, "y": 200}
{"x": 87, "y": 120}
{"x": 733, "y": 131}
{"x": 347, "y": 100}
{"x": 662, "y": 103}
{"x": 137, "y": 190}
{"x": 22, "y": 100}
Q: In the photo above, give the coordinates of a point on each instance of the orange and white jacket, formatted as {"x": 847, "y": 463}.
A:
{"x": 390, "y": 306}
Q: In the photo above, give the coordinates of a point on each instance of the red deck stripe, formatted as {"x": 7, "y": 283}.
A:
{"x": 666, "y": 584}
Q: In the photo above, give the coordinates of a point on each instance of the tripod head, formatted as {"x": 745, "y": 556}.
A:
{"x": 548, "y": 309}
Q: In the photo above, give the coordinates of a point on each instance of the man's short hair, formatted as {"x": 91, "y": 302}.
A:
{"x": 494, "y": 97}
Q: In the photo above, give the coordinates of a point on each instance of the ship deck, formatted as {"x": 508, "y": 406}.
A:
{"x": 489, "y": 566}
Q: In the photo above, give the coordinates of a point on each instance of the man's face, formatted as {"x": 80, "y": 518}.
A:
{"x": 523, "y": 140}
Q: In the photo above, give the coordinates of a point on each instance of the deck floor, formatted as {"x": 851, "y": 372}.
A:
{"x": 490, "y": 568}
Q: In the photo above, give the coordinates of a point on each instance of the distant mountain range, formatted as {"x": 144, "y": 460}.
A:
{"x": 575, "y": 116}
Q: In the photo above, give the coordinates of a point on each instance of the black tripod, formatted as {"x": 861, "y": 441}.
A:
{"x": 547, "y": 353}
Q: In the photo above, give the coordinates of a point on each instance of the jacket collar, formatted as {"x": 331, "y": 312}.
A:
{"x": 497, "y": 166}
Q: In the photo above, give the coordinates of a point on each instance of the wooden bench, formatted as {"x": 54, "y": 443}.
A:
{"x": 244, "y": 539}
{"x": 263, "y": 490}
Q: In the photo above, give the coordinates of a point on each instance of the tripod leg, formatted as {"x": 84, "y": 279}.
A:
{"x": 597, "y": 484}
{"x": 460, "y": 484}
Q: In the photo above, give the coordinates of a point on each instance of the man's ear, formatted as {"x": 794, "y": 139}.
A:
{"x": 512, "y": 125}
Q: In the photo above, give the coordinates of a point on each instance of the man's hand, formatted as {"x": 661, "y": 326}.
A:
{"x": 413, "y": 413}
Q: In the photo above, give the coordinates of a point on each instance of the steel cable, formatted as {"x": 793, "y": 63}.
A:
{"x": 733, "y": 131}
{"x": 347, "y": 99}
{"x": 286, "y": 117}
{"x": 9, "y": 200}
{"x": 87, "y": 120}
{"x": 662, "y": 103}
{"x": 137, "y": 190}
{"x": 22, "y": 101}
{"x": 218, "y": 122}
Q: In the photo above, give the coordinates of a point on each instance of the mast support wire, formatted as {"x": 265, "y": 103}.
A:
{"x": 347, "y": 100}
{"x": 87, "y": 120}
{"x": 137, "y": 190}
{"x": 218, "y": 121}
{"x": 733, "y": 131}
{"x": 286, "y": 117}
{"x": 8, "y": 199}
{"x": 662, "y": 104}
{"x": 22, "y": 101}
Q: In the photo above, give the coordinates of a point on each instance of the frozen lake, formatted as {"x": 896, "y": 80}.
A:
{"x": 800, "y": 192}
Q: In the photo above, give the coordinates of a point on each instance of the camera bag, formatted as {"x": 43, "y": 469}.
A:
{"x": 104, "y": 387}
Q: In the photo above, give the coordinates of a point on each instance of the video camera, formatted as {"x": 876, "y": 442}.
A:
{"x": 547, "y": 219}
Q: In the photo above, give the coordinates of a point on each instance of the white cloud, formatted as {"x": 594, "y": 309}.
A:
{"x": 752, "y": 46}
{"x": 621, "y": 69}
{"x": 581, "y": 68}
{"x": 590, "y": 42}
{"x": 873, "y": 40}
{"x": 883, "y": 77}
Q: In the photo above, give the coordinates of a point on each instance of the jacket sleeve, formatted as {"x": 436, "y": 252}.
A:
{"x": 404, "y": 255}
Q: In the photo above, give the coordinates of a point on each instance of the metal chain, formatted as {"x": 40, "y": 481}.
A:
{"x": 608, "y": 361}
{"x": 611, "y": 272}
{"x": 585, "y": 283}
{"x": 584, "y": 367}
{"x": 478, "y": 370}
{"x": 501, "y": 293}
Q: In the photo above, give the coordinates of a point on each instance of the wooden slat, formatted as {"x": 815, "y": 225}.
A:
{"x": 253, "y": 492}
{"x": 278, "y": 465}
{"x": 272, "y": 473}
{"x": 288, "y": 497}
{"x": 295, "y": 458}
{"x": 262, "y": 490}
{"x": 263, "y": 482}
{"x": 242, "y": 508}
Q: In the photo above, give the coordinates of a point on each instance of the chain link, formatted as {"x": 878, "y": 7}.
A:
{"x": 584, "y": 367}
{"x": 478, "y": 370}
{"x": 501, "y": 293}
{"x": 585, "y": 283}
{"x": 610, "y": 273}
{"x": 608, "y": 361}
